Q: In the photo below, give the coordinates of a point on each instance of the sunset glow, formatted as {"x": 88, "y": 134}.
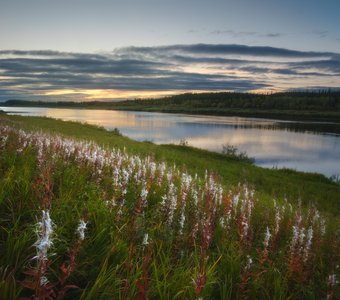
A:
{"x": 287, "y": 46}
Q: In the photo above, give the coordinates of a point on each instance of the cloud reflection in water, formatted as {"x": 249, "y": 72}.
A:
{"x": 272, "y": 143}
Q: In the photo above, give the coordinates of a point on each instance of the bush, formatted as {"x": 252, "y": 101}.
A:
{"x": 116, "y": 131}
{"x": 233, "y": 152}
{"x": 183, "y": 142}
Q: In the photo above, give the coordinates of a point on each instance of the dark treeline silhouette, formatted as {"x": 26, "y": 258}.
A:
{"x": 322, "y": 100}
{"x": 321, "y": 105}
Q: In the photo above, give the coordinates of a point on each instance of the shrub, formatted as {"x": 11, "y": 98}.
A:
{"x": 233, "y": 152}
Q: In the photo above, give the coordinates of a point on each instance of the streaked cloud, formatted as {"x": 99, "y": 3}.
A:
{"x": 272, "y": 34}
{"x": 236, "y": 34}
{"x": 132, "y": 72}
{"x": 223, "y": 49}
{"x": 321, "y": 33}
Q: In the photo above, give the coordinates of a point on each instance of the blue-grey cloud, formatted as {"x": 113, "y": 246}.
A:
{"x": 272, "y": 35}
{"x": 321, "y": 33}
{"x": 234, "y": 33}
{"x": 165, "y": 68}
{"x": 223, "y": 49}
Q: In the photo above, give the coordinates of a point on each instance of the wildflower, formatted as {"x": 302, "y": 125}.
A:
{"x": 308, "y": 243}
{"x": 43, "y": 280}
{"x": 145, "y": 239}
{"x": 115, "y": 176}
{"x": 331, "y": 286}
{"x": 44, "y": 232}
{"x": 322, "y": 227}
{"x": 126, "y": 176}
{"x": 195, "y": 196}
{"x": 277, "y": 221}
{"x": 294, "y": 241}
{"x": 181, "y": 222}
{"x": 267, "y": 238}
{"x": 298, "y": 219}
{"x": 316, "y": 216}
{"x": 43, "y": 244}
{"x": 193, "y": 233}
{"x": 249, "y": 263}
{"x": 274, "y": 202}
{"x": 220, "y": 195}
{"x": 81, "y": 229}
{"x": 169, "y": 176}
{"x": 144, "y": 193}
{"x": 222, "y": 223}
{"x": 173, "y": 202}
{"x": 236, "y": 199}
{"x": 207, "y": 232}
{"x": 120, "y": 209}
{"x": 185, "y": 184}
{"x": 332, "y": 280}
{"x": 164, "y": 200}
{"x": 301, "y": 236}
{"x": 153, "y": 167}
{"x": 245, "y": 227}
{"x": 162, "y": 168}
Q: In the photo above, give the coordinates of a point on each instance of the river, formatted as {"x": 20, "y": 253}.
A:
{"x": 303, "y": 146}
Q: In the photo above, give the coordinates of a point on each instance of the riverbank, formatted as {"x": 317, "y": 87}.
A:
{"x": 283, "y": 181}
{"x": 303, "y": 146}
{"x": 88, "y": 213}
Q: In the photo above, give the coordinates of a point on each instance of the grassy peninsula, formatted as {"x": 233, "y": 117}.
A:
{"x": 317, "y": 106}
{"x": 90, "y": 214}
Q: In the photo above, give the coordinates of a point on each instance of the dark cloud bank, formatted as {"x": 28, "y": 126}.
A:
{"x": 167, "y": 68}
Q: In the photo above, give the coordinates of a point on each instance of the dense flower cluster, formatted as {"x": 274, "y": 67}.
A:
{"x": 192, "y": 210}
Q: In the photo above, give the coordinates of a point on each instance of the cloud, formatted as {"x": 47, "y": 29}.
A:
{"x": 236, "y": 34}
{"x": 196, "y": 67}
{"x": 321, "y": 33}
{"x": 222, "y": 49}
{"x": 193, "y": 31}
{"x": 331, "y": 65}
{"x": 272, "y": 35}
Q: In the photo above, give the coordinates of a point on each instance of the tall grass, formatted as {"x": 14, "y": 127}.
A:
{"x": 79, "y": 221}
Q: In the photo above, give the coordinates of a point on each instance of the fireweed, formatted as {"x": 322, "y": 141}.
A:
{"x": 161, "y": 214}
{"x": 43, "y": 244}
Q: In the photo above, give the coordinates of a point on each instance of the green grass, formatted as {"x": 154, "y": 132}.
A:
{"x": 112, "y": 262}
{"x": 273, "y": 183}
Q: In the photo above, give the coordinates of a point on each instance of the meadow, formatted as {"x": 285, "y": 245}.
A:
{"x": 90, "y": 214}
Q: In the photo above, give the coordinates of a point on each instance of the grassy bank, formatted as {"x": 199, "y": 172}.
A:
{"x": 277, "y": 183}
{"x": 128, "y": 223}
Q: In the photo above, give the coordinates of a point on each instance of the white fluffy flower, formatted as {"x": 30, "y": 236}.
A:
{"x": 249, "y": 263}
{"x": 145, "y": 240}
{"x": 267, "y": 238}
{"x": 81, "y": 229}
{"x": 44, "y": 231}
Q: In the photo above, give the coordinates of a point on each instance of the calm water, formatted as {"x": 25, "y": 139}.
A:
{"x": 312, "y": 147}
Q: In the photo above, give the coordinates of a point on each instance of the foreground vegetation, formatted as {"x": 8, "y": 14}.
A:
{"x": 79, "y": 220}
{"x": 322, "y": 106}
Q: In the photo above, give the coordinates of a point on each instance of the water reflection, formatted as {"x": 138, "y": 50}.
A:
{"x": 305, "y": 146}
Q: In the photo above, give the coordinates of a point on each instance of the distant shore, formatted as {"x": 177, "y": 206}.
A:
{"x": 301, "y": 106}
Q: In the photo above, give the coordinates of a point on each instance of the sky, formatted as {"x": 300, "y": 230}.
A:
{"x": 106, "y": 49}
